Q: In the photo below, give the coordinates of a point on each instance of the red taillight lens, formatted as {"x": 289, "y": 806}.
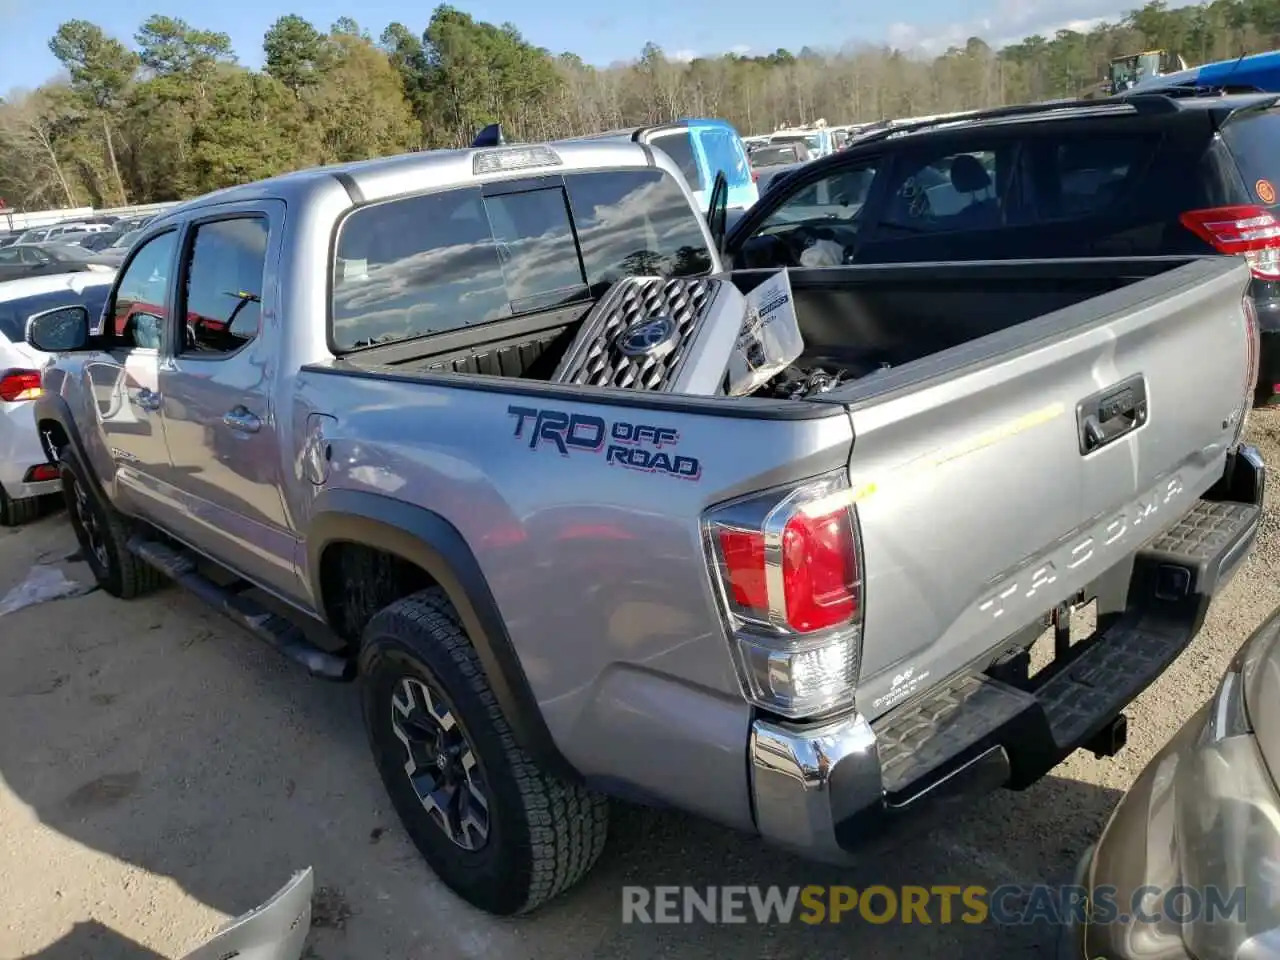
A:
{"x": 743, "y": 552}
{"x": 41, "y": 472}
{"x": 18, "y": 385}
{"x": 816, "y": 572}
{"x": 819, "y": 571}
{"x": 1247, "y": 230}
{"x": 755, "y": 176}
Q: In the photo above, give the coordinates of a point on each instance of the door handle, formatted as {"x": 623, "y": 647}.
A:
{"x": 1109, "y": 414}
{"x": 147, "y": 399}
{"x": 242, "y": 419}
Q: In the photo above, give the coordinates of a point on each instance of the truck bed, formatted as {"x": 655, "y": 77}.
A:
{"x": 853, "y": 319}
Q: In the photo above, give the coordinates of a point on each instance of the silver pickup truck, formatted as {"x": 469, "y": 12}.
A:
{"x": 469, "y": 410}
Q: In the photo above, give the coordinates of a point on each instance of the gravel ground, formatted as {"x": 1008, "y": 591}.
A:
{"x": 161, "y": 771}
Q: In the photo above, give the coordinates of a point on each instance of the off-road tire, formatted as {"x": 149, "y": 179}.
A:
{"x": 16, "y": 513}
{"x": 545, "y": 834}
{"x": 121, "y": 574}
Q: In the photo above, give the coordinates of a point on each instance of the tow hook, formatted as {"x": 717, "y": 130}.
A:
{"x": 1111, "y": 739}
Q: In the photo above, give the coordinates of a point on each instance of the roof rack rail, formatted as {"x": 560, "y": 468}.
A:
{"x": 1155, "y": 102}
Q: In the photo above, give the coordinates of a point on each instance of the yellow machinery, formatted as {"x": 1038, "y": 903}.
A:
{"x": 1127, "y": 71}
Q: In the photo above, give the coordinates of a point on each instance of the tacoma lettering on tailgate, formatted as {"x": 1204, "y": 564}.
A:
{"x": 1133, "y": 523}
{"x": 634, "y": 446}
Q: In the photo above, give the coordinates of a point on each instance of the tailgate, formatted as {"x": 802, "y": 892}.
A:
{"x": 1043, "y": 457}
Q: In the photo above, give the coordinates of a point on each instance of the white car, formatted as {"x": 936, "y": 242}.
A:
{"x": 25, "y": 473}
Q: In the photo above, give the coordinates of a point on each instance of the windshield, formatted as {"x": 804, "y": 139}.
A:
{"x": 126, "y": 240}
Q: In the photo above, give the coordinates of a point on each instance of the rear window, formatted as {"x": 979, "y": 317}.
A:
{"x": 456, "y": 259}
{"x": 774, "y": 156}
{"x": 1254, "y": 141}
{"x": 14, "y": 313}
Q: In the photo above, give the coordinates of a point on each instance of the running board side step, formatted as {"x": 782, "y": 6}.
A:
{"x": 231, "y": 601}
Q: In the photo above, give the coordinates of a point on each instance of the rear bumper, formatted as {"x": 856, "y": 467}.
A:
{"x": 824, "y": 790}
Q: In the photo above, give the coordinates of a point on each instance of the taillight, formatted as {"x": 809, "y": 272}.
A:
{"x": 1254, "y": 348}
{"x": 18, "y": 385}
{"x": 787, "y": 569}
{"x": 41, "y": 472}
{"x": 755, "y": 176}
{"x": 1247, "y": 230}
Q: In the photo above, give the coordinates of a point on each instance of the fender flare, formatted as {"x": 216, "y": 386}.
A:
{"x": 432, "y": 543}
{"x": 54, "y": 407}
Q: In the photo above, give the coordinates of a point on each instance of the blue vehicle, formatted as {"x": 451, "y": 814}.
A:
{"x": 1259, "y": 71}
{"x": 701, "y": 148}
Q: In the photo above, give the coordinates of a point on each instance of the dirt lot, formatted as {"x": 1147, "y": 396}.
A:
{"x": 161, "y": 771}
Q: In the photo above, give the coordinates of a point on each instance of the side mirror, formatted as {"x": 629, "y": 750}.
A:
{"x": 718, "y": 211}
{"x": 59, "y": 330}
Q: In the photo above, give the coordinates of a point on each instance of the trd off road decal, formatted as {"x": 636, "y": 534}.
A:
{"x": 634, "y": 446}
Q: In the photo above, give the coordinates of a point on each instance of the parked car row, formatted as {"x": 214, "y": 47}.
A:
{"x": 1057, "y": 314}
{"x": 93, "y": 233}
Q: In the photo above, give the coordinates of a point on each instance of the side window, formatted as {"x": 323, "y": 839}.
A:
{"x": 1084, "y": 176}
{"x": 34, "y": 255}
{"x": 10, "y": 256}
{"x": 837, "y": 197}
{"x": 223, "y": 294}
{"x": 965, "y": 190}
{"x": 139, "y": 311}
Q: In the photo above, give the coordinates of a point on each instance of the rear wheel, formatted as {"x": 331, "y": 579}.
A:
{"x": 103, "y": 536}
{"x": 14, "y": 513}
{"x": 502, "y": 833}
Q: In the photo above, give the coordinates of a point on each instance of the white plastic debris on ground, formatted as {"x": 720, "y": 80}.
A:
{"x": 43, "y": 583}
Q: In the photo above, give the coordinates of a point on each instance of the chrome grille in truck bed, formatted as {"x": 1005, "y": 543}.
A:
{"x": 648, "y": 333}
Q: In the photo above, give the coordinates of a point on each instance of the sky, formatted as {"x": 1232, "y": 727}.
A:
{"x": 599, "y": 32}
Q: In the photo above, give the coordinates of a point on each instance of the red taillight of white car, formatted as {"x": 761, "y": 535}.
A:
{"x": 787, "y": 569}
{"x": 17, "y": 385}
